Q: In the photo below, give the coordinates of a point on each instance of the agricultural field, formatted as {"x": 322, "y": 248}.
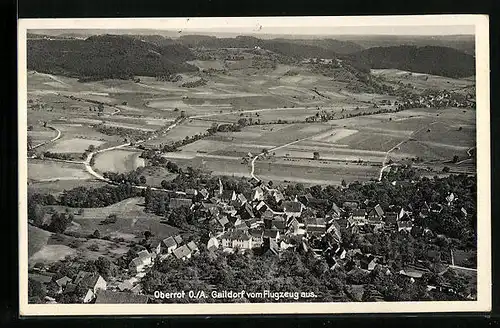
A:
{"x": 42, "y": 170}
{"x": 74, "y": 145}
{"x": 56, "y": 187}
{"x": 423, "y": 81}
{"x": 118, "y": 160}
{"x": 181, "y": 132}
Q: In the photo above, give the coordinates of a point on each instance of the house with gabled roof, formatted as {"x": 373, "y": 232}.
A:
{"x": 376, "y": 214}
{"x": 169, "y": 244}
{"x": 236, "y": 239}
{"x": 137, "y": 265}
{"x": 204, "y": 193}
{"x": 125, "y": 285}
{"x": 335, "y": 232}
{"x": 271, "y": 247}
{"x": 278, "y": 196}
{"x": 193, "y": 247}
{"x": 350, "y": 205}
{"x": 246, "y": 212}
{"x": 90, "y": 280}
{"x": 335, "y": 212}
{"x": 223, "y": 221}
{"x": 213, "y": 244}
{"x": 368, "y": 263}
{"x": 261, "y": 207}
{"x": 292, "y": 208}
{"x": 357, "y": 218}
{"x": 305, "y": 198}
{"x": 391, "y": 218}
{"x": 450, "y": 198}
{"x": 257, "y": 194}
{"x": 405, "y": 226}
{"x": 228, "y": 195}
{"x": 62, "y": 282}
{"x": 257, "y": 236}
{"x": 182, "y": 253}
{"x": 191, "y": 192}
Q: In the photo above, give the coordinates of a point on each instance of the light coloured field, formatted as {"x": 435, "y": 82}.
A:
{"x": 52, "y": 170}
{"x": 52, "y": 253}
{"x": 129, "y": 126}
{"x": 335, "y": 135}
{"x": 73, "y": 145}
{"x": 37, "y": 239}
{"x": 205, "y": 146}
{"x": 118, "y": 160}
{"x": 207, "y": 64}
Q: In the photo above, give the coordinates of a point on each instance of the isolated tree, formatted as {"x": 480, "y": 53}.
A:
{"x": 142, "y": 179}
{"x": 91, "y": 148}
{"x": 96, "y": 234}
{"x": 316, "y": 155}
{"x": 101, "y": 108}
{"x": 147, "y": 234}
{"x": 344, "y": 183}
{"x": 29, "y": 142}
{"x": 455, "y": 159}
{"x": 446, "y": 169}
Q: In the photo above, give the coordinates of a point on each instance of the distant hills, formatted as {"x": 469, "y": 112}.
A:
{"x": 107, "y": 56}
{"x": 434, "y": 60}
{"x": 124, "y": 56}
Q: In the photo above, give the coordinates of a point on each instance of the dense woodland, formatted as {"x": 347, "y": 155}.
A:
{"x": 107, "y": 56}
{"x": 429, "y": 59}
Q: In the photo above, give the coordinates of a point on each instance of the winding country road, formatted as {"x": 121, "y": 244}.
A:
{"x": 51, "y": 140}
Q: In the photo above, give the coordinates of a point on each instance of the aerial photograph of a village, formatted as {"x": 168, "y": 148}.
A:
{"x": 169, "y": 166}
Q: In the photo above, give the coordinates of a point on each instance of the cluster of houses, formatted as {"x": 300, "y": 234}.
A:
{"x": 242, "y": 222}
{"x": 442, "y": 99}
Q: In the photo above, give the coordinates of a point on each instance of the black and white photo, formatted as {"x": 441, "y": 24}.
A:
{"x": 254, "y": 165}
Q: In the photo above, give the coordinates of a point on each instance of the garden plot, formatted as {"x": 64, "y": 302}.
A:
{"x": 74, "y": 145}
{"x": 118, "y": 160}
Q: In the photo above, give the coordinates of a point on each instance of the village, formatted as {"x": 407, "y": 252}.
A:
{"x": 265, "y": 222}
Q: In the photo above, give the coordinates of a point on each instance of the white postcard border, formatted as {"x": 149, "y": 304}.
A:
{"x": 250, "y": 24}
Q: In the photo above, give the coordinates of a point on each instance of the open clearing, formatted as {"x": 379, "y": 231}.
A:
{"x": 74, "y": 145}
{"x": 118, "y": 160}
{"x": 52, "y": 170}
{"x": 131, "y": 222}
